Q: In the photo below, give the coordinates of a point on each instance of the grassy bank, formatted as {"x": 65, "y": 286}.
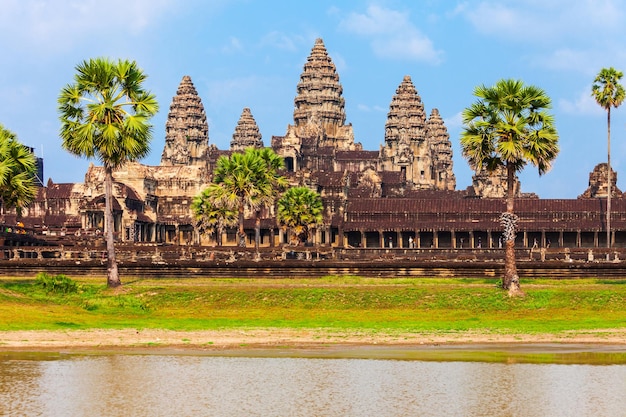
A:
{"x": 341, "y": 303}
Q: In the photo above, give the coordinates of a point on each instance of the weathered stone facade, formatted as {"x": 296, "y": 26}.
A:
{"x": 186, "y": 129}
{"x": 247, "y": 134}
{"x": 492, "y": 184}
{"x": 598, "y": 180}
{"x": 419, "y": 148}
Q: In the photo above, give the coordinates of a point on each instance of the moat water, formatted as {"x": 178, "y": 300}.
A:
{"x": 200, "y": 385}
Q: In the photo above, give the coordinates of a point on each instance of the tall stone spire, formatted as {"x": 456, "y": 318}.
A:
{"x": 406, "y": 119}
{"x": 186, "y": 129}
{"x": 406, "y": 148}
{"x": 319, "y": 91}
{"x": 319, "y": 105}
{"x": 439, "y": 139}
{"x": 246, "y": 134}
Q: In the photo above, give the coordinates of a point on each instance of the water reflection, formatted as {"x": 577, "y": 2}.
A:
{"x": 152, "y": 385}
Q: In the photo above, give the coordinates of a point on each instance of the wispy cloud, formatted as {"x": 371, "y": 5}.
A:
{"x": 548, "y": 29}
{"x": 548, "y": 21}
{"x": 583, "y": 104}
{"x": 454, "y": 122}
{"x": 280, "y": 40}
{"x": 229, "y": 91}
{"x": 392, "y": 34}
{"x": 52, "y": 26}
{"x": 365, "y": 108}
{"x": 234, "y": 45}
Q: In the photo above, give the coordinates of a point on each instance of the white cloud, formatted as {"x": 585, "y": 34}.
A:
{"x": 51, "y": 25}
{"x": 567, "y": 59}
{"x": 233, "y": 45}
{"x": 227, "y": 92}
{"x": 583, "y": 104}
{"x": 339, "y": 61}
{"x": 280, "y": 40}
{"x": 558, "y": 35}
{"x": 546, "y": 21}
{"x": 392, "y": 34}
{"x": 454, "y": 122}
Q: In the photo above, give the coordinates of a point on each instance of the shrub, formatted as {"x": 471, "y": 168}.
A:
{"x": 58, "y": 284}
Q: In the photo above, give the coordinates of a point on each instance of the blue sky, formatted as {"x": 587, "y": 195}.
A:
{"x": 251, "y": 53}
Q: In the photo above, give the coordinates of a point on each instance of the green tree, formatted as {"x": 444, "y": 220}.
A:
{"x": 300, "y": 209}
{"x": 509, "y": 126}
{"x": 274, "y": 164}
{"x": 105, "y": 114}
{"x": 250, "y": 180}
{"x": 212, "y": 213}
{"x": 608, "y": 93}
{"x": 18, "y": 169}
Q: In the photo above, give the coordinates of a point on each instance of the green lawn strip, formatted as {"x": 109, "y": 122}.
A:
{"x": 409, "y": 305}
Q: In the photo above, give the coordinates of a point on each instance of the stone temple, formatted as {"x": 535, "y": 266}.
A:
{"x": 401, "y": 195}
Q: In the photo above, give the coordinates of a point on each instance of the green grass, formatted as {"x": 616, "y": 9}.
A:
{"x": 346, "y": 302}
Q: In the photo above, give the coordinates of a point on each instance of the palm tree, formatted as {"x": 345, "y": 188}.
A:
{"x": 105, "y": 115}
{"x": 18, "y": 168}
{"x": 249, "y": 180}
{"x": 608, "y": 93}
{"x": 300, "y": 208}
{"x": 508, "y": 127}
{"x": 273, "y": 164}
{"x": 212, "y": 214}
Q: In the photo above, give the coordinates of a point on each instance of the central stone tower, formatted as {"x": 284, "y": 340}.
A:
{"x": 319, "y": 104}
{"x": 319, "y": 116}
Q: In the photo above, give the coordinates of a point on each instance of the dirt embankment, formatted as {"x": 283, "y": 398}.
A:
{"x": 232, "y": 339}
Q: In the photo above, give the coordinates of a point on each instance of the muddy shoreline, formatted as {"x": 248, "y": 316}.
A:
{"x": 318, "y": 342}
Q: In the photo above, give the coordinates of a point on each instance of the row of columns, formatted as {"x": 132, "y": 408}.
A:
{"x": 474, "y": 239}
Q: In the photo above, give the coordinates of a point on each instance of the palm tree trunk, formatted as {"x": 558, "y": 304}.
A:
{"x": 510, "y": 281}
{"x": 242, "y": 233}
{"x": 219, "y": 230}
{"x": 608, "y": 187}
{"x": 113, "y": 277}
{"x": 257, "y": 230}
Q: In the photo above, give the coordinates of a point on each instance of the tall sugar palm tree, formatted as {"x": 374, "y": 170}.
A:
{"x": 105, "y": 115}
{"x": 18, "y": 168}
{"x": 299, "y": 209}
{"x": 212, "y": 213}
{"x": 608, "y": 93}
{"x": 509, "y": 126}
{"x": 274, "y": 164}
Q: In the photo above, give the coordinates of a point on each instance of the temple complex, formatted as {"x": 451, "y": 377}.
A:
{"x": 402, "y": 195}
